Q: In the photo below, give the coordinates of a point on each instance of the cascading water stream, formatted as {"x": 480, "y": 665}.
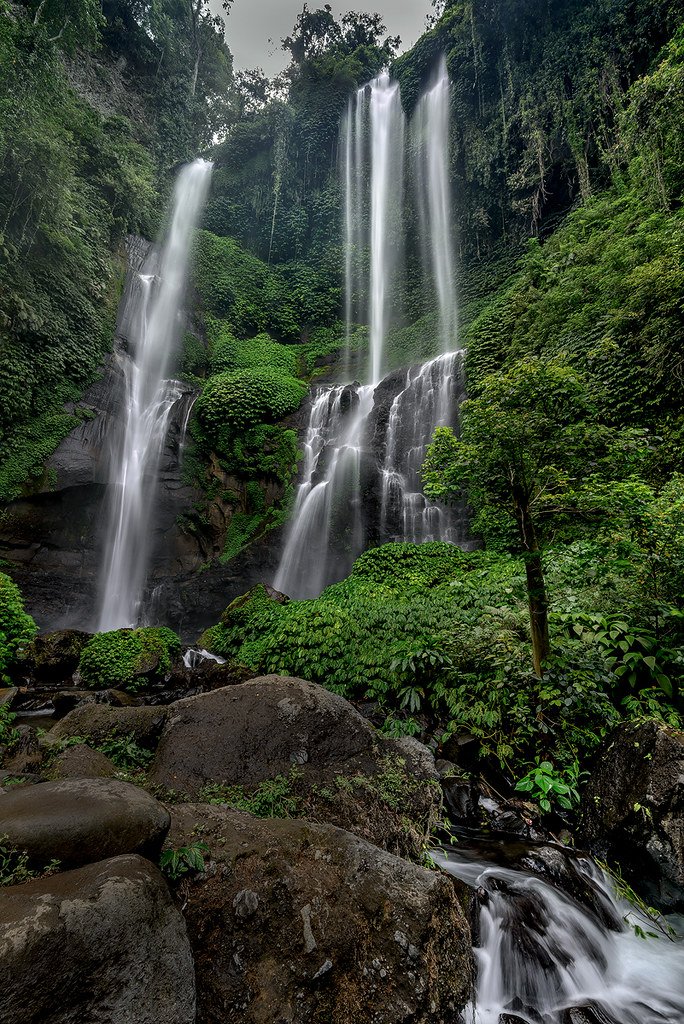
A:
{"x": 387, "y": 158}
{"x": 430, "y": 128}
{"x": 429, "y": 399}
{"x": 321, "y": 545}
{"x": 544, "y": 958}
{"x": 149, "y": 400}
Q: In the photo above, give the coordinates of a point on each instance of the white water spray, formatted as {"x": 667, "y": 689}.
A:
{"x": 353, "y": 448}
{"x": 149, "y": 401}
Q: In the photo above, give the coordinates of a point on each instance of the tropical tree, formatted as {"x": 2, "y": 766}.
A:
{"x": 532, "y": 459}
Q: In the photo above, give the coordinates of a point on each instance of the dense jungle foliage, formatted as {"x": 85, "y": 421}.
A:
{"x": 567, "y": 167}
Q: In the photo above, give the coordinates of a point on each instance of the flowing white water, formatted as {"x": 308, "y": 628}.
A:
{"x": 351, "y": 446}
{"x": 149, "y": 401}
{"x": 387, "y": 158}
{"x": 429, "y": 399}
{"x": 541, "y": 953}
{"x": 326, "y": 532}
{"x": 430, "y": 128}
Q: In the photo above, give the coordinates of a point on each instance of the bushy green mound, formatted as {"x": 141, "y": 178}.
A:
{"x": 231, "y": 353}
{"x": 237, "y": 400}
{"x": 440, "y": 638}
{"x": 127, "y": 658}
{"x": 17, "y": 628}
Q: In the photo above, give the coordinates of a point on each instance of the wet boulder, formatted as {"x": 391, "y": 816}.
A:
{"x": 103, "y": 943}
{"x": 633, "y": 809}
{"x": 300, "y": 922}
{"x": 82, "y": 762}
{"x": 98, "y": 722}
{"x": 80, "y": 821}
{"x": 299, "y": 749}
{"x": 54, "y": 657}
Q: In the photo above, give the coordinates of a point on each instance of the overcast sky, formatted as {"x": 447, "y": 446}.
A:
{"x": 254, "y": 28}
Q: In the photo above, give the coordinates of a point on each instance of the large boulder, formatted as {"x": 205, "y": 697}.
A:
{"x": 54, "y": 657}
{"x": 82, "y": 762}
{"x": 101, "y": 945}
{"x": 334, "y": 765}
{"x": 633, "y": 809}
{"x": 298, "y": 922}
{"x": 80, "y": 821}
{"x": 98, "y": 722}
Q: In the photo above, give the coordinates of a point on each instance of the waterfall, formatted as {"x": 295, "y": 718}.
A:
{"x": 360, "y": 482}
{"x": 429, "y": 399}
{"x": 387, "y": 156}
{"x": 149, "y": 400}
{"x": 431, "y": 131}
{"x": 328, "y": 503}
{"x": 542, "y": 956}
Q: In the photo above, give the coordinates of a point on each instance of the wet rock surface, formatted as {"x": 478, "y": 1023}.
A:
{"x": 338, "y": 768}
{"x": 306, "y": 923}
{"x": 80, "y": 821}
{"x": 82, "y": 762}
{"x": 103, "y": 944}
{"x": 633, "y": 809}
{"x": 99, "y": 721}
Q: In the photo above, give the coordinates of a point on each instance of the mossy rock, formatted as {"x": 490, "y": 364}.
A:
{"x": 128, "y": 659}
{"x": 55, "y": 656}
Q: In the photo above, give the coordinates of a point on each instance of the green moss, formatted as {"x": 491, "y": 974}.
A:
{"x": 124, "y": 658}
{"x": 272, "y": 798}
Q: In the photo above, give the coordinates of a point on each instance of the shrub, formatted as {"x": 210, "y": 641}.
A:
{"x": 125, "y": 658}
{"x": 237, "y": 400}
{"x": 17, "y": 628}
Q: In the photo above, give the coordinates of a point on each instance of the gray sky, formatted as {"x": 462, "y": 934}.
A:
{"x": 252, "y": 23}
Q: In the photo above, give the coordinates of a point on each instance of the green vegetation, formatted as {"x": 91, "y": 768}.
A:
{"x": 14, "y": 865}
{"x": 128, "y": 658}
{"x": 532, "y": 456}
{"x": 96, "y": 105}
{"x": 182, "y": 860}
{"x": 17, "y": 628}
{"x": 272, "y": 798}
{"x": 439, "y": 640}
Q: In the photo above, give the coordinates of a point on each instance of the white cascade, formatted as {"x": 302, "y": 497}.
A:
{"x": 429, "y": 399}
{"x": 148, "y": 404}
{"x": 430, "y": 131}
{"x": 386, "y": 214}
{"x": 350, "y": 447}
{"x": 326, "y": 532}
{"x": 541, "y": 954}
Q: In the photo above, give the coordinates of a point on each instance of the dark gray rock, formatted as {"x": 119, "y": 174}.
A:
{"x": 299, "y": 922}
{"x": 342, "y": 770}
{"x": 633, "y": 809}
{"x": 80, "y": 821}
{"x": 101, "y": 945}
{"x": 99, "y": 721}
{"x": 54, "y": 657}
{"x": 82, "y": 762}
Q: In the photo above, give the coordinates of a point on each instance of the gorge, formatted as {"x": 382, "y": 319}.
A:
{"x": 342, "y": 517}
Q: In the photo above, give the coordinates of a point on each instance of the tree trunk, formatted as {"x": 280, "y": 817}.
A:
{"x": 539, "y": 610}
{"x": 536, "y": 592}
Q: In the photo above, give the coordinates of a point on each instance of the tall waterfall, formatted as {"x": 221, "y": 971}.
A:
{"x": 148, "y": 402}
{"x": 542, "y": 956}
{"x": 431, "y": 135}
{"x": 365, "y": 445}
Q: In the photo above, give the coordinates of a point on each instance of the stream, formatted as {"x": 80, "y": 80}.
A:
{"x": 565, "y": 950}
